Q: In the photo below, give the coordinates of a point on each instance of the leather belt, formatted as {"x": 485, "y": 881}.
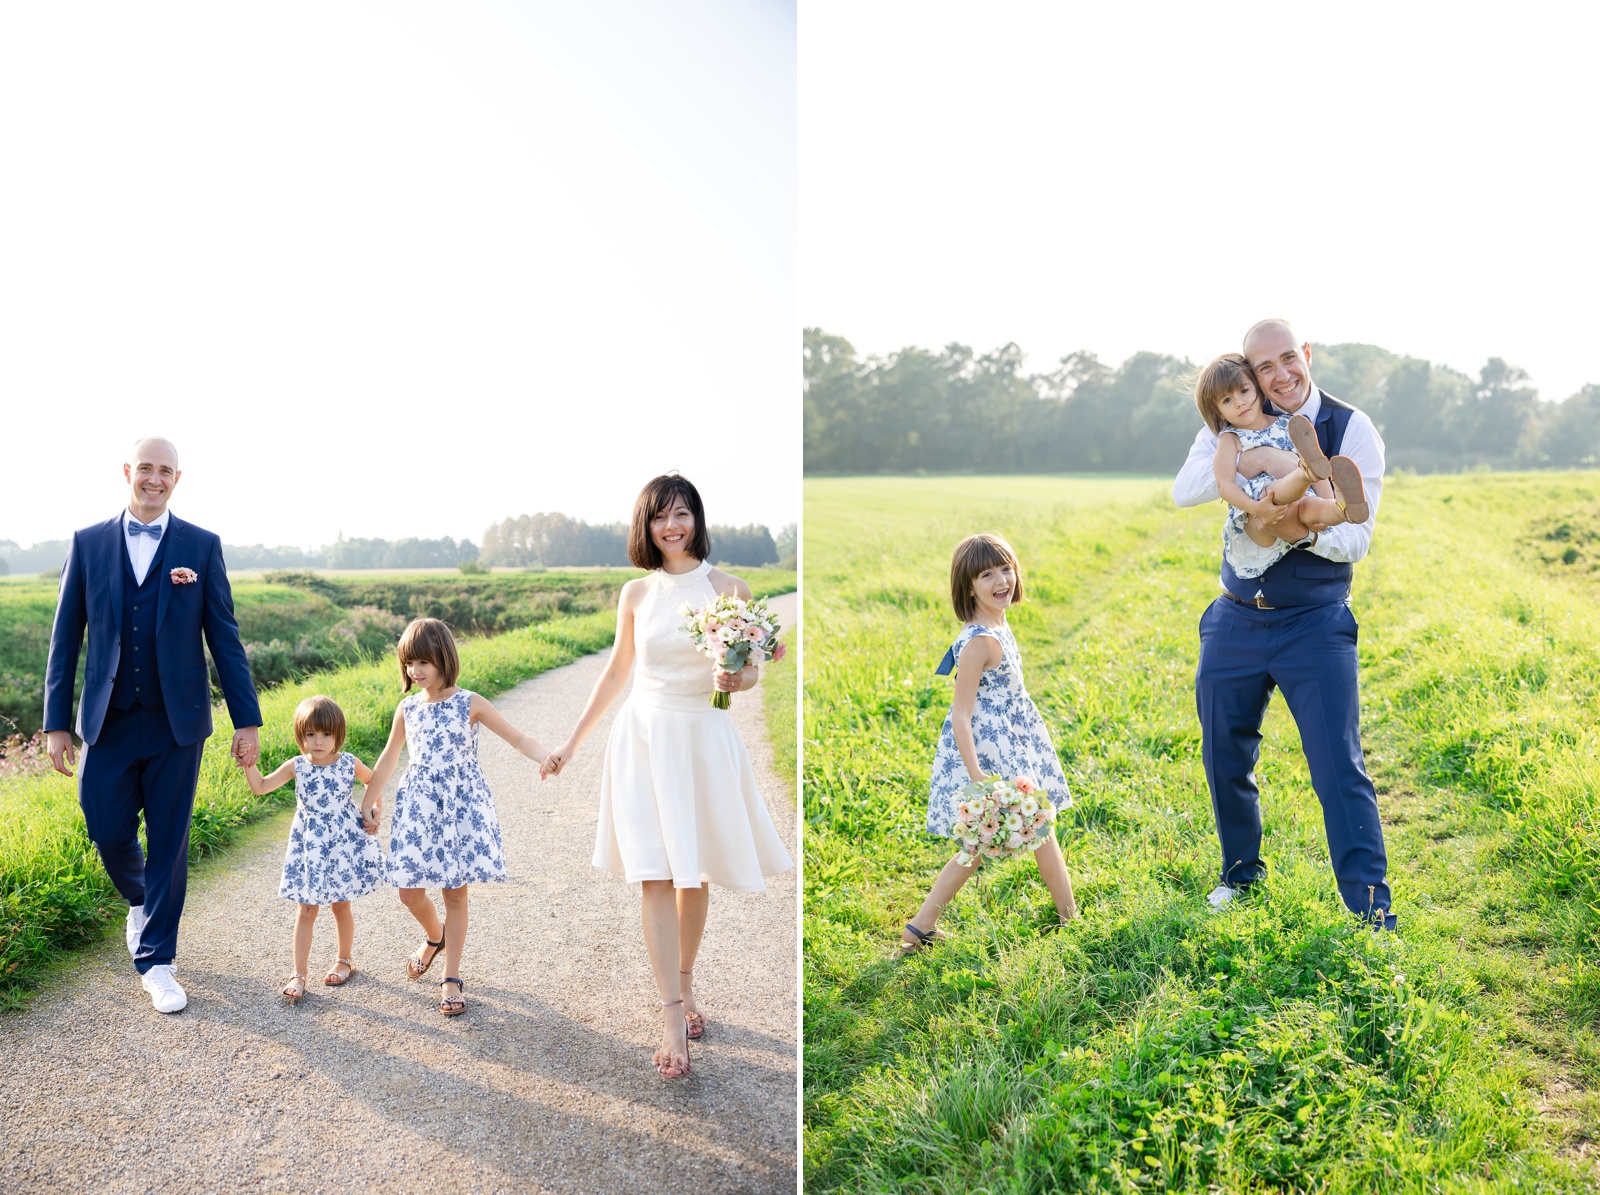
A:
{"x": 1257, "y": 603}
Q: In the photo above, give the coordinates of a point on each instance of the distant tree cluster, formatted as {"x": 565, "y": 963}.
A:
{"x": 957, "y": 411}
{"x": 558, "y": 541}
{"x": 528, "y": 541}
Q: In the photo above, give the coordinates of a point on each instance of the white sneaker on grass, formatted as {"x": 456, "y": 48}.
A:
{"x": 165, "y": 994}
{"x": 135, "y": 928}
{"x": 1222, "y": 895}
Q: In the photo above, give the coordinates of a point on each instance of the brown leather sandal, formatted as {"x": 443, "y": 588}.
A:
{"x": 333, "y": 979}
{"x": 1351, "y": 494}
{"x": 415, "y": 967}
{"x": 1304, "y": 438}
{"x": 453, "y": 1006}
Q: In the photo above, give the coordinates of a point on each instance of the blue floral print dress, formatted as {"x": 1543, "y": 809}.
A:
{"x": 1010, "y": 736}
{"x": 330, "y": 857}
{"x": 444, "y": 832}
{"x": 1248, "y": 558}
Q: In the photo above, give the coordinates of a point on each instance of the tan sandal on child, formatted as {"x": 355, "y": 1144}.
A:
{"x": 666, "y": 1061}
{"x": 1352, "y": 495}
{"x": 453, "y": 1006}
{"x": 415, "y": 967}
{"x": 1304, "y": 438}
{"x": 697, "y": 1023}
{"x": 333, "y": 979}
{"x": 295, "y": 988}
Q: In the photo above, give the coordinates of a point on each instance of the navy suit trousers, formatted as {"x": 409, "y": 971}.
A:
{"x": 1309, "y": 652}
{"x": 135, "y": 766}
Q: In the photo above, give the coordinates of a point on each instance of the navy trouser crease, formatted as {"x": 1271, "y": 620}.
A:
{"x": 134, "y": 767}
{"x": 1308, "y": 652}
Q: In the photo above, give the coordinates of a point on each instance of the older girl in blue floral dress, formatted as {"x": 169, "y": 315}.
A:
{"x": 444, "y": 832}
{"x": 333, "y": 856}
{"x": 993, "y": 728}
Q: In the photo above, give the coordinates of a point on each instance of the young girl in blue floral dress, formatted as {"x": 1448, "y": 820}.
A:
{"x": 444, "y": 832}
{"x": 993, "y": 728}
{"x": 333, "y": 856}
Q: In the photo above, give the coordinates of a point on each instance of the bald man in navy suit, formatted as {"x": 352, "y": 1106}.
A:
{"x": 152, "y": 592}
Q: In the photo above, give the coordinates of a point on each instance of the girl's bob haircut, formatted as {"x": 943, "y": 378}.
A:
{"x": 1228, "y": 374}
{"x": 318, "y": 715}
{"x": 972, "y": 556}
{"x": 662, "y": 494}
{"x": 429, "y": 641}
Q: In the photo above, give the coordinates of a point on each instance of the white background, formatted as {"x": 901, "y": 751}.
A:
{"x": 397, "y": 268}
{"x": 1118, "y": 177}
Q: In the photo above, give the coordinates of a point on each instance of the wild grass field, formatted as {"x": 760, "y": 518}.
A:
{"x": 294, "y": 623}
{"x": 1154, "y": 1045}
{"x": 54, "y": 893}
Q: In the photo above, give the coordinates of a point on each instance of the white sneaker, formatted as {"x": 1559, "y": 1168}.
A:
{"x": 135, "y": 928}
{"x": 1222, "y": 895}
{"x": 164, "y": 991}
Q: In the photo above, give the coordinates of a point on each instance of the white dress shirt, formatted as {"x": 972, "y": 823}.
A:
{"x": 1348, "y": 542}
{"x": 141, "y": 548}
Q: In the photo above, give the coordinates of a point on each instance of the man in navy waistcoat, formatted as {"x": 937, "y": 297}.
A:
{"x": 148, "y": 587}
{"x": 1291, "y": 628}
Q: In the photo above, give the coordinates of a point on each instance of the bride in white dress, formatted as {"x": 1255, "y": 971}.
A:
{"x": 679, "y": 808}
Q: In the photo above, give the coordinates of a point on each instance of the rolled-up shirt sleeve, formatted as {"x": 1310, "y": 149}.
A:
{"x": 1349, "y": 542}
{"x": 1196, "y": 482}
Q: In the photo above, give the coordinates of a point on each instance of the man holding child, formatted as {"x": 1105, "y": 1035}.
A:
{"x": 1291, "y": 628}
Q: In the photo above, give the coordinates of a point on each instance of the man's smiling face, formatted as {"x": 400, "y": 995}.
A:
{"x": 152, "y": 475}
{"x": 1282, "y": 368}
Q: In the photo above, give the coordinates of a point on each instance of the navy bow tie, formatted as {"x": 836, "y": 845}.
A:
{"x": 153, "y": 530}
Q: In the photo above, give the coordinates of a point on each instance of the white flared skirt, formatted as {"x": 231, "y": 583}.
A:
{"x": 678, "y": 800}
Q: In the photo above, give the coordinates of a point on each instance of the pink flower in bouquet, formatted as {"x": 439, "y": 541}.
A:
{"x": 1015, "y": 840}
{"x": 986, "y": 834}
{"x": 1039, "y": 819}
{"x": 754, "y": 633}
{"x": 993, "y": 852}
{"x": 183, "y": 576}
{"x": 780, "y": 651}
{"x": 1024, "y": 786}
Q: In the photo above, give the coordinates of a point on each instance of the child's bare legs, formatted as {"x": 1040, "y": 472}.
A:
{"x": 304, "y": 921}
{"x": 693, "y": 904}
{"x": 417, "y": 903}
{"x": 455, "y": 932}
{"x": 1053, "y": 871}
{"x": 949, "y": 881}
{"x": 344, "y": 927}
{"x": 659, "y": 908}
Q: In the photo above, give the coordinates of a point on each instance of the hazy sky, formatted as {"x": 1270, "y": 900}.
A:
{"x": 1159, "y": 176}
{"x": 398, "y": 268}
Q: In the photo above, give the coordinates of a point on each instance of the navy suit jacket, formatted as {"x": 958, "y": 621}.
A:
{"x": 91, "y": 598}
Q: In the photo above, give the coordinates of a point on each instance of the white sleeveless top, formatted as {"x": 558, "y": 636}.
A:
{"x": 669, "y": 670}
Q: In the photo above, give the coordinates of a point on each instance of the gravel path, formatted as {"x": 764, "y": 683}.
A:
{"x": 543, "y": 1085}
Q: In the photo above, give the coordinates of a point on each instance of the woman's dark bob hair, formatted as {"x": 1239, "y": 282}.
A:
{"x": 429, "y": 641}
{"x": 661, "y": 494}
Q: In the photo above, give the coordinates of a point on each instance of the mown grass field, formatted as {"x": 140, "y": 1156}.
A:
{"x": 54, "y": 893}
{"x": 1153, "y": 1045}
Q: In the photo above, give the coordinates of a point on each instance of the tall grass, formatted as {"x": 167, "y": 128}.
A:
{"x": 1154, "y": 1045}
{"x": 54, "y": 893}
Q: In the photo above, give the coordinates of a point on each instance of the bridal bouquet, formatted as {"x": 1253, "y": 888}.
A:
{"x": 731, "y": 631}
{"x": 998, "y": 817}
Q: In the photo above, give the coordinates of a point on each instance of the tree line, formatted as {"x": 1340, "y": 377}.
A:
{"x": 529, "y": 541}
{"x": 956, "y": 410}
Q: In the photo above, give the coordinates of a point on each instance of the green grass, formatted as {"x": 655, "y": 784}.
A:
{"x": 1151, "y": 1045}
{"x": 54, "y": 893}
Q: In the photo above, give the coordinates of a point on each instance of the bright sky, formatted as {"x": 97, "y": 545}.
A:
{"x": 398, "y": 268}
{"x": 1116, "y": 177}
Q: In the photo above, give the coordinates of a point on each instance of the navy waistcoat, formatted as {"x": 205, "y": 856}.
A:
{"x": 1302, "y": 578}
{"x": 138, "y": 678}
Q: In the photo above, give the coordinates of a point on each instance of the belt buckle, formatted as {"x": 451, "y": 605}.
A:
{"x": 1259, "y": 604}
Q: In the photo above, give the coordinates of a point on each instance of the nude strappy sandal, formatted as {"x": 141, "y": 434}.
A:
{"x": 1351, "y": 494}
{"x": 663, "y": 1059}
